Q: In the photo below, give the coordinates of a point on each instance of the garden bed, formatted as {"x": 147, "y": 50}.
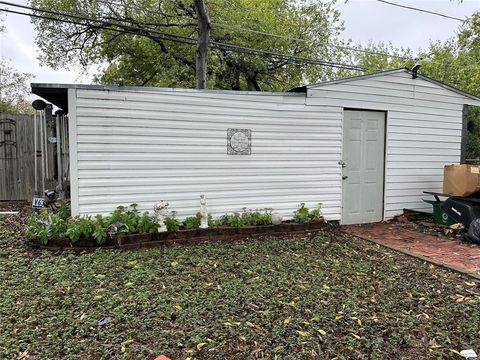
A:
{"x": 184, "y": 237}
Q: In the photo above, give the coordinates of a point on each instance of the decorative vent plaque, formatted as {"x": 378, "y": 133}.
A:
{"x": 239, "y": 141}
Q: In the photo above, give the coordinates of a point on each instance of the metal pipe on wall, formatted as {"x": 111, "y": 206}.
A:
{"x": 45, "y": 140}
{"x": 42, "y": 151}
{"x": 35, "y": 149}
{"x": 64, "y": 148}
{"x": 66, "y": 153}
{"x": 59, "y": 155}
{"x": 38, "y": 106}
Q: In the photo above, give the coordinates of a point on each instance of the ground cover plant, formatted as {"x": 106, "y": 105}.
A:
{"x": 323, "y": 297}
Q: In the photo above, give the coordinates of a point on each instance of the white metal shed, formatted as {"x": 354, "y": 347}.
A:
{"x": 365, "y": 147}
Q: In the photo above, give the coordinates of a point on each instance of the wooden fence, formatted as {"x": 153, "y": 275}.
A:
{"x": 17, "y": 157}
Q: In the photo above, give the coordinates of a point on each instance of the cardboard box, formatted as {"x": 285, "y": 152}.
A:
{"x": 461, "y": 180}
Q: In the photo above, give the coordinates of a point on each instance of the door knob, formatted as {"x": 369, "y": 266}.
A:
{"x": 342, "y": 163}
{"x": 344, "y": 177}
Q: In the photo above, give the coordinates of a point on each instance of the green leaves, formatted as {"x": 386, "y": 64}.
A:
{"x": 246, "y": 218}
{"x": 45, "y": 226}
{"x": 147, "y": 224}
{"x": 80, "y": 227}
{"x": 303, "y": 214}
{"x": 14, "y": 89}
{"x": 171, "y": 222}
{"x": 192, "y": 222}
{"x": 144, "y": 57}
{"x": 100, "y": 233}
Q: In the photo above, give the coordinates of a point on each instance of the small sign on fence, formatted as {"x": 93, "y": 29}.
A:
{"x": 38, "y": 203}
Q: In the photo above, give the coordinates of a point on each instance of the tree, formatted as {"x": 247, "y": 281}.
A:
{"x": 204, "y": 27}
{"x": 13, "y": 88}
{"x": 137, "y": 53}
{"x": 455, "y": 62}
{"x": 373, "y": 57}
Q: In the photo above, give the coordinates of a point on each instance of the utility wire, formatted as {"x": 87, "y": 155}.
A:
{"x": 104, "y": 24}
{"x": 286, "y": 37}
{"x": 421, "y": 10}
{"x": 306, "y": 40}
{"x": 168, "y": 36}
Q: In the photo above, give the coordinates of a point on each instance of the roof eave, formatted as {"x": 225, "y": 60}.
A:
{"x": 357, "y": 77}
{"x": 472, "y": 99}
{"x": 475, "y": 100}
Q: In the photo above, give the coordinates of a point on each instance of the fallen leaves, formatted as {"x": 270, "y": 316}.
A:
{"x": 203, "y": 303}
{"x": 455, "y": 352}
{"x": 233, "y": 323}
{"x": 303, "y": 333}
{"x": 462, "y": 298}
{"x": 356, "y": 336}
{"x": 125, "y": 344}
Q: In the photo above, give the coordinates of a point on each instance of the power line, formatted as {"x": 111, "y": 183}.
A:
{"x": 104, "y": 24}
{"x": 285, "y": 57}
{"x": 286, "y": 37}
{"x": 169, "y": 36}
{"x": 422, "y": 10}
{"x": 306, "y": 40}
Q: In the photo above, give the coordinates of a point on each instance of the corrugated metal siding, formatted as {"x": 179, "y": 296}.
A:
{"x": 424, "y": 127}
{"x": 145, "y": 146}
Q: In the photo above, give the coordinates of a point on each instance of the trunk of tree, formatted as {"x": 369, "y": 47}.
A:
{"x": 202, "y": 43}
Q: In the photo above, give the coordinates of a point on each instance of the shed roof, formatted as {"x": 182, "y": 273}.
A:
{"x": 57, "y": 94}
{"x": 383, "y": 73}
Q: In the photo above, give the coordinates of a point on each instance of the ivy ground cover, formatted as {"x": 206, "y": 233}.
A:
{"x": 323, "y": 297}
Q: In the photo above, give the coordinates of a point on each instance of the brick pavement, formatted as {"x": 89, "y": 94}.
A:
{"x": 449, "y": 252}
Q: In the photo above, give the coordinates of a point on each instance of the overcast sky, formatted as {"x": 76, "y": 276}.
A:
{"x": 365, "y": 20}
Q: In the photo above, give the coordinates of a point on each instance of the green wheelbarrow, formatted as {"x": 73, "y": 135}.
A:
{"x": 440, "y": 216}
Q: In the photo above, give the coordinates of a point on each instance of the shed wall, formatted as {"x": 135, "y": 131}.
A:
{"x": 145, "y": 146}
{"x": 424, "y": 131}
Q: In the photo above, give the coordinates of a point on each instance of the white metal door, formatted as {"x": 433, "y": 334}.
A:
{"x": 363, "y": 166}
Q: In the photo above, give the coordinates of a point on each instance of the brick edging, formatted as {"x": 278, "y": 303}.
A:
{"x": 187, "y": 237}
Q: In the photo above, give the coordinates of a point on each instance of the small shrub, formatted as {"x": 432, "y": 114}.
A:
{"x": 171, "y": 222}
{"x": 192, "y": 222}
{"x": 129, "y": 216}
{"x": 64, "y": 211}
{"x": 147, "y": 224}
{"x": 301, "y": 215}
{"x": 100, "y": 232}
{"x": 80, "y": 228}
{"x": 43, "y": 226}
{"x": 57, "y": 225}
{"x": 254, "y": 218}
{"x": 233, "y": 220}
{"x": 316, "y": 213}
{"x": 212, "y": 222}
